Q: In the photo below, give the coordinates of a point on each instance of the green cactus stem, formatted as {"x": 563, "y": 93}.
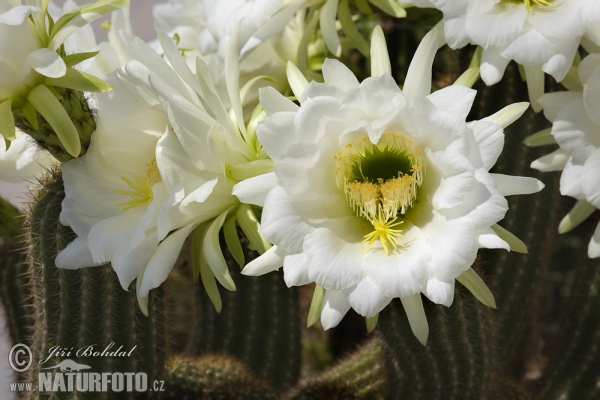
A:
{"x": 368, "y": 373}
{"x": 459, "y": 358}
{"x": 78, "y": 308}
{"x": 259, "y": 324}
{"x": 216, "y": 377}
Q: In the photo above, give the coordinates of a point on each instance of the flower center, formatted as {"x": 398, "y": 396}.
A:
{"x": 380, "y": 182}
{"x": 141, "y": 194}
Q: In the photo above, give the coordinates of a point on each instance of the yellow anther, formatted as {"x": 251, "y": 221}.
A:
{"x": 141, "y": 194}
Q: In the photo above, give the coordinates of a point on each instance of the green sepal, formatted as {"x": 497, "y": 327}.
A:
{"x": 468, "y": 78}
{"x": 477, "y": 287}
{"x": 77, "y": 58}
{"x": 390, "y": 7}
{"x": 302, "y": 55}
{"x": 78, "y": 80}
{"x": 248, "y": 170}
{"x": 246, "y": 88}
{"x": 372, "y": 322}
{"x": 316, "y": 305}
{"x": 514, "y": 242}
{"x": 363, "y": 7}
{"x": 30, "y": 115}
{"x": 476, "y": 60}
{"x": 7, "y": 120}
{"x": 251, "y": 227}
{"x": 579, "y": 213}
{"x": 211, "y": 250}
{"x": 350, "y": 30}
{"x": 541, "y": 138}
{"x": 197, "y": 238}
{"x": 202, "y": 268}
{"x": 233, "y": 241}
{"x": 46, "y": 103}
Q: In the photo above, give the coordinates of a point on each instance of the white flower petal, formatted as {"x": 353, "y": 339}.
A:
{"x": 337, "y": 74}
{"x": 455, "y": 99}
{"x": 163, "y": 259}
{"x": 493, "y": 65}
{"x": 571, "y": 180}
{"x": 45, "y": 62}
{"x": 295, "y": 270}
{"x": 281, "y": 225}
{"x": 418, "y": 77}
{"x": 255, "y": 190}
{"x": 334, "y": 261}
{"x": 335, "y": 306}
{"x": 267, "y": 262}
{"x": 366, "y": 298}
{"x": 440, "y": 292}
{"x": 490, "y": 240}
{"x": 590, "y": 179}
{"x": 76, "y": 255}
{"x": 594, "y": 246}
{"x": 273, "y": 102}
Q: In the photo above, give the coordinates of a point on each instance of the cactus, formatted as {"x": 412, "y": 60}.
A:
{"x": 215, "y": 377}
{"x": 573, "y": 370}
{"x": 259, "y": 324}
{"x": 458, "y": 360}
{"x": 14, "y": 293}
{"x": 79, "y": 308}
{"x": 368, "y": 373}
{"x": 76, "y": 105}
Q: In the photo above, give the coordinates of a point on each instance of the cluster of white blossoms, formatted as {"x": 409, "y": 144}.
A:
{"x": 541, "y": 35}
{"x": 371, "y": 191}
{"x": 576, "y": 129}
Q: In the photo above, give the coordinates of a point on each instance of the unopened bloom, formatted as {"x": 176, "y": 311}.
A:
{"x": 576, "y": 129}
{"x": 538, "y": 34}
{"x": 378, "y": 192}
{"x": 32, "y": 59}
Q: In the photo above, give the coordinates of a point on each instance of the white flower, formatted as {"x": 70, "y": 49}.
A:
{"x": 114, "y": 194}
{"x": 535, "y": 33}
{"x": 155, "y": 171}
{"x": 20, "y": 164}
{"x": 576, "y": 129}
{"x": 204, "y": 151}
{"x": 379, "y": 192}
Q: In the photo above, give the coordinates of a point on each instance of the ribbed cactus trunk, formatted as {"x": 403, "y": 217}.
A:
{"x": 75, "y": 309}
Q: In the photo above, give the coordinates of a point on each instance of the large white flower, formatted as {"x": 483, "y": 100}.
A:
{"x": 115, "y": 197}
{"x": 538, "y": 34}
{"x": 576, "y": 129}
{"x": 378, "y": 192}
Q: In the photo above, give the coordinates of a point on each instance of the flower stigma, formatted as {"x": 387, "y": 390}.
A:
{"x": 380, "y": 182}
{"x": 141, "y": 194}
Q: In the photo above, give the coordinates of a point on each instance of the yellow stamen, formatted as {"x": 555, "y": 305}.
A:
{"x": 384, "y": 232}
{"x": 542, "y": 3}
{"x": 141, "y": 194}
